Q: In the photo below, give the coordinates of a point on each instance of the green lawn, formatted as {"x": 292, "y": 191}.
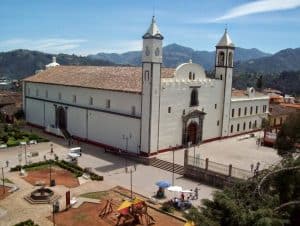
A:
{"x": 6, "y": 180}
{"x": 95, "y": 195}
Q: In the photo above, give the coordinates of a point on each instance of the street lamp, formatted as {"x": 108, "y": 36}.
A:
{"x": 131, "y": 170}
{"x": 23, "y": 143}
{"x": 50, "y": 165}
{"x": 2, "y": 168}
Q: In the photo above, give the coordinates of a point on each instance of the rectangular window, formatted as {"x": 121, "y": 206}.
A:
{"x": 245, "y": 111}
{"x": 28, "y": 91}
{"x": 37, "y": 92}
{"x": 74, "y": 99}
{"x": 91, "y": 101}
{"x": 59, "y": 95}
{"x": 107, "y": 103}
{"x": 232, "y": 112}
{"x": 265, "y": 108}
{"x": 218, "y": 123}
{"x": 133, "y": 110}
{"x": 146, "y": 75}
{"x": 46, "y": 93}
{"x": 251, "y": 110}
{"x": 215, "y": 106}
{"x": 239, "y": 112}
{"x": 183, "y": 112}
{"x": 169, "y": 109}
{"x": 256, "y": 109}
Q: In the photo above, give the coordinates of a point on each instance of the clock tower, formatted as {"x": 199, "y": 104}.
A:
{"x": 151, "y": 64}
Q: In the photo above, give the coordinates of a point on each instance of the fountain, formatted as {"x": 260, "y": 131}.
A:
{"x": 42, "y": 195}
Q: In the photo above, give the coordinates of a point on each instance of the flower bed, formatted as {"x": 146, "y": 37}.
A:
{"x": 11, "y": 135}
{"x": 76, "y": 170}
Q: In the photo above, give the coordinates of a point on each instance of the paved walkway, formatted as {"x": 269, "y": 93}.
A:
{"x": 241, "y": 153}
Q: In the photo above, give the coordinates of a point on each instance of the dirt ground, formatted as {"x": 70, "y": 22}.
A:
{"x": 4, "y": 195}
{"x": 61, "y": 176}
{"x": 88, "y": 214}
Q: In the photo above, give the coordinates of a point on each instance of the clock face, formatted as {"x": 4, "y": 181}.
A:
{"x": 157, "y": 51}
{"x": 147, "y": 51}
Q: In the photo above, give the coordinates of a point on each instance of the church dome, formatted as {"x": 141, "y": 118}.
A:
{"x": 53, "y": 63}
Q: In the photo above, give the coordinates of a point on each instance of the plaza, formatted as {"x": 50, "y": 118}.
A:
{"x": 239, "y": 152}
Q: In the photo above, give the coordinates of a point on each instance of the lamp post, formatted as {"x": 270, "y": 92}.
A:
{"x": 131, "y": 170}
{"x": 50, "y": 163}
{"x": 25, "y": 150}
{"x": 2, "y": 168}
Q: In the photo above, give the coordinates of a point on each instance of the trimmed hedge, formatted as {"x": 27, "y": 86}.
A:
{"x": 27, "y": 223}
{"x": 75, "y": 169}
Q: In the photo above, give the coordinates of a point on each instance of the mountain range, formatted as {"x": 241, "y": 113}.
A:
{"x": 249, "y": 63}
{"x": 175, "y": 54}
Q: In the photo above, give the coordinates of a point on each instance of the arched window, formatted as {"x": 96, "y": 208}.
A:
{"x": 230, "y": 63}
{"x": 193, "y": 76}
{"x": 221, "y": 58}
{"x": 194, "y": 98}
{"x": 231, "y": 129}
{"x": 255, "y": 124}
{"x": 250, "y": 124}
{"x": 190, "y": 76}
{"x": 238, "y": 127}
{"x": 244, "y": 126}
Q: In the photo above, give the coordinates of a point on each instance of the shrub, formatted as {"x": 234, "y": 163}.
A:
{"x": 33, "y": 136}
{"x": 12, "y": 142}
{"x": 27, "y": 223}
{"x": 167, "y": 207}
{"x": 16, "y": 168}
{"x": 96, "y": 177}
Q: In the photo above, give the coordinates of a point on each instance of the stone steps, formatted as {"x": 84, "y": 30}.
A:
{"x": 168, "y": 166}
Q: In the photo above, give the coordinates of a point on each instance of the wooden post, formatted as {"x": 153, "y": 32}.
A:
{"x": 206, "y": 163}
{"x": 230, "y": 170}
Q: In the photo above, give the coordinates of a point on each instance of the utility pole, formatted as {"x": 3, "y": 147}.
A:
{"x": 3, "y": 180}
{"x": 173, "y": 166}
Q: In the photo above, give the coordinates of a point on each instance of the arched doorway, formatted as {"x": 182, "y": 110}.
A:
{"x": 61, "y": 118}
{"x": 192, "y": 133}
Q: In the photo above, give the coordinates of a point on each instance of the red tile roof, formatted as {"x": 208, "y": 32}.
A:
{"x": 127, "y": 79}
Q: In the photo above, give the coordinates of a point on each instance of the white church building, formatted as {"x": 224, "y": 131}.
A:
{"x": 144, "y": 110}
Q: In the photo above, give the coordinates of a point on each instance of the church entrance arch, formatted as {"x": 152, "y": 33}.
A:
{"x": 61, "y": 118}
{"x": 192, "y": 125}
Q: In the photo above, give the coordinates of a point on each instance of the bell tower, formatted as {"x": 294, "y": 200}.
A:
{"x": 151, "y": 64}
{"x": 224, "y": 71}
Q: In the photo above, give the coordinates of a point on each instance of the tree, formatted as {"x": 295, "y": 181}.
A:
{"x": 259, "y": 83}
{"x": 289, "y": 135}
{"x": 269, "y": 199}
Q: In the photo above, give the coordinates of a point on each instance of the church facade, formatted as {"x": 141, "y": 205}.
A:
{"x": 144, "y": 110}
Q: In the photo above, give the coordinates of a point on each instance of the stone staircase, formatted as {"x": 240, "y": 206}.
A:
{"x": 168, "y": 166}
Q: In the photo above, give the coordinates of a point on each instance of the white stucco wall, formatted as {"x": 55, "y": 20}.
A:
{"x": 176, "y": 93}
{"x": 243, "y": 103}
{"x": 93, "y": 122}
{"x": 114, "y": 130}
{"x": 35, "y": 112}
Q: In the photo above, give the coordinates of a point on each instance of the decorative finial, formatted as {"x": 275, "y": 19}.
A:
{"x": 54, "y": 59}
{"x": 226, "y": 28}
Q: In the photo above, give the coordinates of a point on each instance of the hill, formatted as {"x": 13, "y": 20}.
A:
{"x": 21, "y": 63}
{"x": 175, "y": 54}
{"x": 284, "y": 60}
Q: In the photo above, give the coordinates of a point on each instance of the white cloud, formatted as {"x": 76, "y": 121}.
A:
{"x": 52, "y": 45}
{"x": 259, "y": 7}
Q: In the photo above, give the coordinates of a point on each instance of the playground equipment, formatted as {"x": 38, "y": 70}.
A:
{"x": 107, "y": 209}
{"x": 134, "y": 212}
{"x": 129, "y": 212}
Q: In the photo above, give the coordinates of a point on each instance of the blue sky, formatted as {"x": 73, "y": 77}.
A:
{"x": 92, "y": 26}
